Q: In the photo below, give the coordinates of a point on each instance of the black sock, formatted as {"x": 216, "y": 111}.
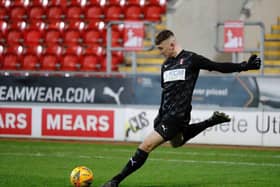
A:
{"x": 133, "y": 164}
{"x": 192, "y": 130}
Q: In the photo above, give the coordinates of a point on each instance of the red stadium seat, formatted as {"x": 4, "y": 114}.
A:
{"x": 33, "y": 37}
{"x": 114, "y": 12}
{"x": 70, "y": 63}
{"x": 21, "y": 3}
{"x": 133, "y": 12}
{"x": 53, "y": 49}
{"x": 3, "y": 13}
{"x": 95, "y": 49}
{"x": 34, "y": 49}
{"x": 152, "y": 13}
{"x": 96, "y": 2}
{"x": 94, "y": 13}
{"x": 14, "y": 36}
{"x": 37, "y": 24}
{"x": 18, "y": 24}
{"x": 74, "y": 12}
{"x": 135, "y": 2}
{"x": 30, "y": 62}
{"x": 89, "y": 63}
{"x": 75, "y": 24}
{"x": 72, "y": 36}
{"x": 37, "y": 12}
{"x": 160, "y": 3}
{"x": 94, "y": 24}
{"x": 55, "y": 16}
{"x": 49, "y": 63}
{"x": 10, "y": 62}
{"x": 42, "y": 3}
{"x": 4, "y": 26}
{"x": 92, "y": 36}
{"x": 53, "y": 36}
{"x": 18, "y": 13}
{"x": 73, "y": 49}
{"x": 14, "y": 48}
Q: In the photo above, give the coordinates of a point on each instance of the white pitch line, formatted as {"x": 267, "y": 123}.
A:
{"x": 60, "y": 155}
{"x": 206, "y": 154}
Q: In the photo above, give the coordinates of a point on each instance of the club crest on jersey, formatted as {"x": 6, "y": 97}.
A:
{"x": 174, "y": 75}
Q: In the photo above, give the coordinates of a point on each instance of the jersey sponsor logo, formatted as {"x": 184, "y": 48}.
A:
{"x": 174, "y": 75}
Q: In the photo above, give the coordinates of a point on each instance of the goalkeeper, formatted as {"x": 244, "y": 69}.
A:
{"x": 179, "y": 74}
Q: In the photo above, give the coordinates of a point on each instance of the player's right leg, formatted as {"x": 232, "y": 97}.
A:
{"x": 153, "y": 140}
{"x": 193, "y": 130}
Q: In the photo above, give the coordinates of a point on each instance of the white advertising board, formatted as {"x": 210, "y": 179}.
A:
{"x": 247, "y": 127}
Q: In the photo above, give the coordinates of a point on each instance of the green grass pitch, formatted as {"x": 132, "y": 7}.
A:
{"x": 49, "y": 163}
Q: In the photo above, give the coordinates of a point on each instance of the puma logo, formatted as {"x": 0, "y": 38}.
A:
{"x": 108, "y": 91}
{"x": 132, "y": 162}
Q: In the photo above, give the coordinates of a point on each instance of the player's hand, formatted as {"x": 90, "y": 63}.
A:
{"x": 254, "y": 62}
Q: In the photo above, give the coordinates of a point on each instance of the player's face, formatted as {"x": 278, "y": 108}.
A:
{"x": 166, "y": 48}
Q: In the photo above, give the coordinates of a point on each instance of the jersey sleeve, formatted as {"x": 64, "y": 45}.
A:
{"x": 201, "y": 62}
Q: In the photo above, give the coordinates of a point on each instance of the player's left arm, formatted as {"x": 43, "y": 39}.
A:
{"x": 228, "y": 67}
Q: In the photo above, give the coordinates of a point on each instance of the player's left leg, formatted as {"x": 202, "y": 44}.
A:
{"x": 192, "y": 130}
{"x": 135, "y": 162}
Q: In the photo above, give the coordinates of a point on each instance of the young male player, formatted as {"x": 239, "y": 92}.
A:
{"x": 179, "y": 74}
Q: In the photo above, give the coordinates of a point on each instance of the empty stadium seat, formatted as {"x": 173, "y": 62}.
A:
{"x": 152, "y": 13}
{"x": 36, "y": 12}
{"x": 18, "y": 12}
{"x": 18, "y": 24}
{"x": 74, "y": 12}
{"x": 33, "y": 37}
{"x": 55, "y": 16}
{"x": 74, "y": 49}
{"x": 94, "y": 13}
{"x": 49, "y": 63}
{"x": 34, "y": 49}
{"x": 114, "y": 13}
{"x": 37, "y": 24}
{"x": 3, "y": 26}
{"x": 133, "y": 12}
{"x": 14, "y": 48}
{"x": 95, "y": 49}
{"x": 116, "y": 38}
{"x": 53, "y": 49}
{"x": 72, "y": 36}
{"x": 30, "y": 62}
{"x": 70, "y": 63}
{"x": 3, "y": 13}
{"x": 53, "y": 36}
{"x": 89, "y": 63}
{"x": 14, "y": 36}
{"x": 11, "y": 62}
{"x": 92, "y": 36}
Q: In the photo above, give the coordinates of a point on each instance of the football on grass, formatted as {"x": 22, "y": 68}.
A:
{"x": 81, "y": 176}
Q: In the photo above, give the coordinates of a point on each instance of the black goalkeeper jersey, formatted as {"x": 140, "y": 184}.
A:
{"x": 178, "y": 77}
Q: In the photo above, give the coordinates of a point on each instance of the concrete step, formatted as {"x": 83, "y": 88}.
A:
{"x": 272, "y": 45}
{"x": 150, "y": 61}
{"x": 272, "y": 54}
{"x": 141, "y": 69}
{"x": 275, "y": 29}
{"x": 272, "y": 62}
{"x": 272, "y": 37}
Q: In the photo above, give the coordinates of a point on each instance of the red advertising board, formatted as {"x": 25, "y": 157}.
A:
{"x": 78, "y": 123}
{"x": 15, "y": 121}
{"x": 133, "y": 35}
{"x": 233, "y": 36}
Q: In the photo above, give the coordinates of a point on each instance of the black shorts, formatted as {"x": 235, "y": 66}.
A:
{"x": 168, "y": 129}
